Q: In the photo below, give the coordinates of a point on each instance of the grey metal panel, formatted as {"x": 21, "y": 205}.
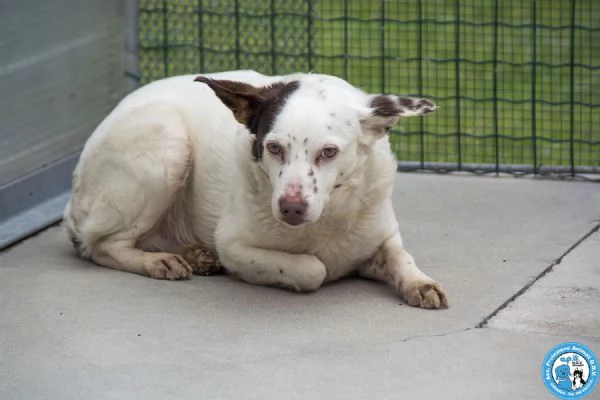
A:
{"x": 33, "y": 220}
{"x": 26, "y": 192}
{"x": 61, "y": 71}
{"x": 34, "y": 201}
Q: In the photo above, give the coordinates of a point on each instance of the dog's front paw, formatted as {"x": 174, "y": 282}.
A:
{"x": 424, "y": 294}
{"x": 307, "y": 276}
{"x": 168, "y": 266}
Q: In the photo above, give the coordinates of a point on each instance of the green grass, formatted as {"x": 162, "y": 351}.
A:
{"x": 486, "y": 113}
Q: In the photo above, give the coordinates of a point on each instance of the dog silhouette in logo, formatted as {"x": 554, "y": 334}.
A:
{"x": 562, "y": 373}
{"x": 578, "y": 380}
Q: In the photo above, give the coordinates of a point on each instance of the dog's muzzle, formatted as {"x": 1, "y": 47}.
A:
{"x": 292, "y": 206}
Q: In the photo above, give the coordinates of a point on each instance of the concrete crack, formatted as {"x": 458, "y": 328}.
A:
{"x": 409, "y": 338}
{"x": 548, "y": 269}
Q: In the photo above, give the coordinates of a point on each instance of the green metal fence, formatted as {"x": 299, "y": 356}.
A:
{"x": 517, "y": 81}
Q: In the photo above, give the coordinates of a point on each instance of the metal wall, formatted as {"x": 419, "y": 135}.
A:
{"x": 61, "y": 71}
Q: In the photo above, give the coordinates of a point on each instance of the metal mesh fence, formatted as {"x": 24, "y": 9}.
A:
{"x": 517, "y": 81}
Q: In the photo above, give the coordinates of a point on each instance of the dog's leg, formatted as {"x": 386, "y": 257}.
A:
{"x": 299, "y": 272}
{"x": 123, "y": 257}
{"x": 118, "y": 250}
{"x": 394, "y": 265}
{"x": 128, "y": 181}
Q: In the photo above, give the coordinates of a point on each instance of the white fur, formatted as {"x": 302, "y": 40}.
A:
{"x": 171, "y": 167}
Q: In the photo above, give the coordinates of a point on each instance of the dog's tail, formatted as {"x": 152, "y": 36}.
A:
{"x": 71, "y": 232}
{"x": 77, "y": 244}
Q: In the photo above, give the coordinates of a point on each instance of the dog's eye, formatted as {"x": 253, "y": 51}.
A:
{"x": 274, "y": 148}
{"x": 329, "y": 152}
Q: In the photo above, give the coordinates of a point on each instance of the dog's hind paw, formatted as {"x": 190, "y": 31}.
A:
{"x": 203, "y": 262}
{"x": 425, "y": 295}
{"x": 168, "y": 266}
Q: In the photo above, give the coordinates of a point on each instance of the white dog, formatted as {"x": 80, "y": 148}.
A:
{"x": 287, "y": 179}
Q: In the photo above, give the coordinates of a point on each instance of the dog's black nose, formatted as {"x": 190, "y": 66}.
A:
{"x": 292, "y": 212}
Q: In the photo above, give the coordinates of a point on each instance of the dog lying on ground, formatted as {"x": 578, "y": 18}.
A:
{"x": 287, "y": 179}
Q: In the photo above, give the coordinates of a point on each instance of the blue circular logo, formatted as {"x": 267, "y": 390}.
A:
{"x": 570, "y": 371}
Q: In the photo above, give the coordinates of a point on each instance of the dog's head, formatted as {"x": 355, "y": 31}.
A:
{"x": 308, "y": 134}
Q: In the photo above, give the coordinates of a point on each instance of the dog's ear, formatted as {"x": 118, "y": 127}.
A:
{"x": 385, "y": 110}
{"x": 243, "y": 99}
{"x": 254, "y": 107}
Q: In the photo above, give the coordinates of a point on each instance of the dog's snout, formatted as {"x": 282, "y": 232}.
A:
{"x": 297, "y": 209}
{"x": 293, "y": 210}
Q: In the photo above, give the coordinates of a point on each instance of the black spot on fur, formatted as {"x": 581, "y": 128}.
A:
{"x": 316, "y": 189}
{"x": 294, "y": 138}
{"x": 314, "y": 181}
{"x": 280, "y": 172}
{"x": 296, "y": 157}
{"x": 305, "y": 141}
{"x": 332, "y": 114}
{"x": 329, "y": 127}
{"x": 280, "y": 271}
{"x": 337, "y": 186}
{"x": 311, "y": 172}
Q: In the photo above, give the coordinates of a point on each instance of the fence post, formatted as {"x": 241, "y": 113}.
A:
{"x": 572, "y": 90}
{"x": 346, "y": 33}
{"x": 382, "y": 46}
{"x": 201, "y": 36}
{"x": 238, "y": 61}
{"x": 495, "y": 90}
{"x": 457, "y": 85}
{"x": 420, "y": 77}
{"x": 534, "y": 86}
{"x": 273, "y": 40}
{"x": 132, "y": 46}
{"x": 165, "y": 12}
{"x": 310, "y": 43}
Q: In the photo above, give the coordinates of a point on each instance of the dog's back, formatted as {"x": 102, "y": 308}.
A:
{"x": 175, "y": 115}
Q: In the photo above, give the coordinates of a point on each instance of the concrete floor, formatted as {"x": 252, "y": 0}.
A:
{"x": 71, "y": 330}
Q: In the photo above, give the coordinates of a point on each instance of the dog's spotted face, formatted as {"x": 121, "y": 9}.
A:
{"x": 309, "y": 152}
{"x": 309, "y": 133}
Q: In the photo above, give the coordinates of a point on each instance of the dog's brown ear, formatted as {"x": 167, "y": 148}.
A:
{"x": 243, "y": 99}
{"x": 254, "y": 107}
{"x": 385, "y": 110}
